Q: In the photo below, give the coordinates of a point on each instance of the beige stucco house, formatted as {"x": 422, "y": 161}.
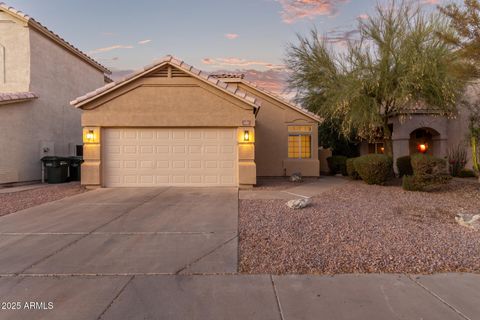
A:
{"x": 172, "y": 124}
{"x": 39, "y": 74}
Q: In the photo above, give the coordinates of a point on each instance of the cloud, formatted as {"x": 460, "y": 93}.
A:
{"x": 363, "y": 16}
{"x": 293, "y": 10}
{"x": 144, "y": 41}
{"x": 238, "y": 62}
{"x": 231, "y": 36}
{"x": 108, "y": 34}
{"x": 432, "y": 2}
{"x": 107, "y": 49}
{"x": 112, "y": 59}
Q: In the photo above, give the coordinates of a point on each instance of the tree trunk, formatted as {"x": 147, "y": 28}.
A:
{"x": 387, "y": 138}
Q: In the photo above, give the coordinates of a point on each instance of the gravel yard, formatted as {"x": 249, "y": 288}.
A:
{"x": 279, "y": 183}
{"x": 359, "y": 228}
{"x": 16, "y": 201}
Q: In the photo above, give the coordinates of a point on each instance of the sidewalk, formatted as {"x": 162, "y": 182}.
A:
{"x": 263, "y": 297}
{"x": 305, "y": 189}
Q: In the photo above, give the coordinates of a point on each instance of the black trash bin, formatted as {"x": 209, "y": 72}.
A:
{"x": 57, "y": 169}
{"x": 75, "y": 168}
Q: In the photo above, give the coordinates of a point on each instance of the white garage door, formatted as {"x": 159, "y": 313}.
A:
{"x": 169, "y": 157}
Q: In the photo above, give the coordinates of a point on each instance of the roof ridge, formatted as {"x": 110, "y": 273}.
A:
{"x": 182, "y": 65}
{"x": 56, "y": 37}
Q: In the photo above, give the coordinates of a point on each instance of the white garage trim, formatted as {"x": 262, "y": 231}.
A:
{"x": 149, "y": 157}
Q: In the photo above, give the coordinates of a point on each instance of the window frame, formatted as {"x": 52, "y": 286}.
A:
{"x": 298, "y": 134}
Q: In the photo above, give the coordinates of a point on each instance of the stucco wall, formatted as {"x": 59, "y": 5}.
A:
{"x": 57, "y": 77}
{"x": 157, "y": 102}
{"x": 271, "y": 146}
{"x": 14, "y": 55}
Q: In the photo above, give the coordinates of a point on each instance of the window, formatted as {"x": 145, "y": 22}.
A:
{"x": 376, "y": 147}
{"x": 300, "y": 142}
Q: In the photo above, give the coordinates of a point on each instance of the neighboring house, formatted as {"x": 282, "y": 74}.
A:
{"x": 425, "y": 131}
{"x": 39, "y": 74}
{"x": 173, "y": 125}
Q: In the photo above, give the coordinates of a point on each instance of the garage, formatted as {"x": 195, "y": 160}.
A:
{"x": 168, "y": 124}
{"x": 148, "y": 157}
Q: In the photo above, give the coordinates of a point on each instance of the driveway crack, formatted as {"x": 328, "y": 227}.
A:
{"x": 277, "y": 298}
{"x": 206, "y": 254}
{"x": 439, "y": 298}
{"x": 116, "y": 297}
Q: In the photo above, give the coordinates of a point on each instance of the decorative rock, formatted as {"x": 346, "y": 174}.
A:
{"x": 296, "y": 177}
{"x": 299, "y": 203}
{"x": 469, "y": 220}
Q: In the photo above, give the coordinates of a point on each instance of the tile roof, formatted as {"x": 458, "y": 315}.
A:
{"x": 13, "y": 97}
{"x": 206, "y": 77}
{"x": 52, "y": 35}
{"x": 228, "y": 75}
{"x": 271, "y": 95}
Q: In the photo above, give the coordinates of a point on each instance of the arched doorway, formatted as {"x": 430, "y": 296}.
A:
{"x": 424, "y": 140}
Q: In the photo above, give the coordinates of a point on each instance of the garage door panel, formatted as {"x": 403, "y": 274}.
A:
{"x": 178, "y": 157}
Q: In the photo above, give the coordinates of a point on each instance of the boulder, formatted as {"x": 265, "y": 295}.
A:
{"x": 469, "y": 220}
{"x": 296, "y": 177}
{"x": 299, "y": 203}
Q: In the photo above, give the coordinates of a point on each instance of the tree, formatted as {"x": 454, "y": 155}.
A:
{"x": 465, "y": 23}
{"x": 398, "y": 64}
{"x": 465, "y": 37}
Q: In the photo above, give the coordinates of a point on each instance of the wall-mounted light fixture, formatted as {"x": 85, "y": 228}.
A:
{"x": 90, "y": 136}
{"x": 422, "y": 147}
{"x": 246, "y": 135}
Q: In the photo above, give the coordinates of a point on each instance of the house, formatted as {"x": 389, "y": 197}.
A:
{"x": 39, "y": 74}
{"x": 424, "y": 131}
{"x": 171, "y": 124}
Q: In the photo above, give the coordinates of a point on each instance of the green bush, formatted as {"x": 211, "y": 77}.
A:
{"x": 466, "y": 173}
{"x": 351, "y": 172}
{"x": 428, "y": 171}
{"x": 404, "y": 166}
{"x": 374, "y": 168}
{"x": 411, "y": 183}
{"x": 337, "y": 164}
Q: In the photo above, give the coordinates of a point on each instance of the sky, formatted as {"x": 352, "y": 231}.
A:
{"x": 248, "y": 36}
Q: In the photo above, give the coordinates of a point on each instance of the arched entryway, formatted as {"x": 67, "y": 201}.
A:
{"x": 424, "y": 140}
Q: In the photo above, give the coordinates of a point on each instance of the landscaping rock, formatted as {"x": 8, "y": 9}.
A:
{"x": 469, "y": 220}
{"x": 296, "y": 177}
{"x": 299, "y": 203}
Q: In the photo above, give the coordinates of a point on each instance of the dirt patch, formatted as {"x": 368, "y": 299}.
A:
{"x": 16, "y": 201}
{"x": 358, "y": 228}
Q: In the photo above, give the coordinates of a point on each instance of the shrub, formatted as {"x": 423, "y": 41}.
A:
{"x": 374, "y": 168}
{"x": 428, "y": 171}
{"x": 466, "y": 173}
{"x": 337, "y": 164}
{"x": 411, "y": 183}
{"x": 351, "y": 172}
{"x": 457, "y": 159}
{"x": 404, "y": 166}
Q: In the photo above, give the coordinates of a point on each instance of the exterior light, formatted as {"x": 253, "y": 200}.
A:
{"x": 422, "y": 147}
{"x": 90, "y": 136}
{"x": 246, "y": 135}
{"x": 382, "y": 149}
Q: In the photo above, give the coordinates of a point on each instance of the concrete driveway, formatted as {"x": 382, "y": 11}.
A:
{"x": 123, "y": 232}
